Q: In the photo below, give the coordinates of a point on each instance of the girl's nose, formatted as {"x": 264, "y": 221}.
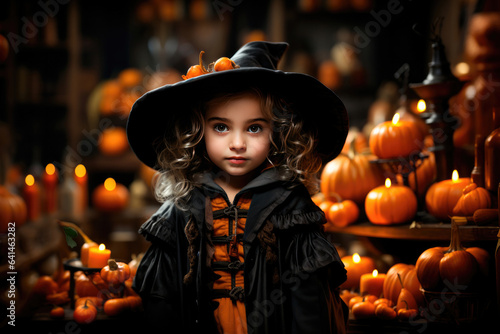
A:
{"x": 237, "y": 142}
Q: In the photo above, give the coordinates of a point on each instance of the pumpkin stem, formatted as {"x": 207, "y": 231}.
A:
{"x": 400, "y": 281}
{"x": 455, "y": 236}
{"x": 404, "y": 301}
{"x": 112, "y": 264}
{"x": 203, "y": 69}
{"x": 351, "y": 153}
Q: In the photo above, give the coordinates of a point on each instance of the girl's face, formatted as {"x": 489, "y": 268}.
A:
{"x": 237, "y": 136}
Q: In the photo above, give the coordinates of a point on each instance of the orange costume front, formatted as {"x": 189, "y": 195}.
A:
{"x": 227, "y": 262}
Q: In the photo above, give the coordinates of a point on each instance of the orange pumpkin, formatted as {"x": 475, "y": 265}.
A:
{"x": 351, "y": 176}
{"x": 473, "y": 198}
{"x": 114, "y": 141}
{"x": 390, "y": 204}
{"x": 392, "y": 284}
{"x": 110, "y": 196}
{"x": 12, "y": 209}
{"x": 115, "y": 273}
{"x": 452, "y": 265}
{"x": 342, "y": 214}
{"x": 396, "y": 138}
{"x": 223, "y": 64}
{"x": 442, "y": 196}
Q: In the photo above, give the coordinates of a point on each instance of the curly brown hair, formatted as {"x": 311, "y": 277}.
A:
{"x": 183, "y": 159}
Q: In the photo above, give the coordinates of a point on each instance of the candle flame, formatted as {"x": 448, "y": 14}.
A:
{"x": 375, "y": 273}
{"x": 356, "y": 258}
{"x": 102, "y": 247}
{"x": 395, "y": 118}
{"x": 30, "y": 180}
{"x": 50, "y": 169}
{"x": 454, "y": 176}
{"x": 388, "y": 183}
{"x": 421, "y": 106}
{"x": 110, "y": 184}
{"x": 80, "y": 170}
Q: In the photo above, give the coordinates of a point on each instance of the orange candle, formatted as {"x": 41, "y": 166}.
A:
{"x": 31, "y": 194}
{"x": 110, "y": 196}
{"x": 372, "y": 283}
{"x": 356, "y": 266}
{"x": 98, "y": 256}
{"x": 50, "y": 180}
{"x": 84, "y": 252}
{"x": 81, "y": 180}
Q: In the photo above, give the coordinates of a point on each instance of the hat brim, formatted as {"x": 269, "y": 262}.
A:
{"x": 154, "y": 113}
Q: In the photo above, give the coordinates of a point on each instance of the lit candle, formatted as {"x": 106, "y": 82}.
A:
{"x": 98, "y": 256}
{"x": 81, "y": 180}
{"x": 356, "y": 266}
{"x": 372, "y": 283}
{"x": 110, "y": 196}
{"x": 31, "y": 194}
{"x": 50, "y": 179}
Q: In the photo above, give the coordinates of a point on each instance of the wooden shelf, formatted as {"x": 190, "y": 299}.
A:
{"x": 420, "y": 231}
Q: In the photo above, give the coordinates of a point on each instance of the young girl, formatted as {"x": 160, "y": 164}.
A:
{"x": 238, "y": 246}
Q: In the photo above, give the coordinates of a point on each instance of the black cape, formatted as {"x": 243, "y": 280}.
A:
{"x": 304, "y": 299}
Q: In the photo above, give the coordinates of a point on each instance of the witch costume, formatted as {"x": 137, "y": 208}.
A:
{"x": 262, "y": 259}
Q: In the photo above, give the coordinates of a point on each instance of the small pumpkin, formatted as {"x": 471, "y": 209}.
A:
{"x": 223, "y": 64}
{"x": 385, "y": 312}
{"x": 396, "y": 138}
{"x": 351, "y": 176}
{"x": 390, "y": 204}
{"x": 84, "y": 287}
{"x": 342, "y": 214}
{"x": 12, "y": 209}
{"x": 363, "y": 310}
{"x": 115, "y": 273}
{"x": 473, "y": 198}
{"x": 85, "y": 314}
{"x": 196, "y": 70}
{"x": 405, "y": 298}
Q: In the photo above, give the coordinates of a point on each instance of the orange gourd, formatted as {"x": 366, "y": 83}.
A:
{"x": 12, "y": 209}
{"x": 390, "y": 204}
{"x": 396, "y": 138}
{"x": 351, "y": 176}
{"x": 405, "y": 298}
{"x": 453, "y": 265}
{"x": 392, "y": 285}
{"x": 473, "y": 198}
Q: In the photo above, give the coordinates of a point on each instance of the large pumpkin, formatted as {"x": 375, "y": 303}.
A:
{"x": 351, "y": 176}
{"x": 396, "y": 138}
{"x": 390, "y": 204}
{"x": 12, "y": 209}
{"x": 392, "y": 284}
{"x": 453, "y": 265}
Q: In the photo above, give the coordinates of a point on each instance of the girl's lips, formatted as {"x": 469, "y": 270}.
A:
{"x": 236, "y": 160}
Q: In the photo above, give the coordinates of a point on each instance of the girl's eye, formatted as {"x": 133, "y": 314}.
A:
{"x": 220, "y": 127}
{"x": 255, "y": 129}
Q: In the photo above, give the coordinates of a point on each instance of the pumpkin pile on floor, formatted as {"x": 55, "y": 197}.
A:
{"x": 108, "y": 291}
